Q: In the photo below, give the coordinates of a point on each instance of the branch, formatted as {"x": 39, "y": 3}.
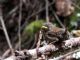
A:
{"x": 47, "y": 11}
{"x": 19, "y": 23}
{"x": 5, "y": 30}
{"x": 48, "y": 48}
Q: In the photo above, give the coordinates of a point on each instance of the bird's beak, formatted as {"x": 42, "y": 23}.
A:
{"x": 44, "y": 27}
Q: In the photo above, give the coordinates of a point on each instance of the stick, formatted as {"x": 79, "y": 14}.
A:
{"x": 4, "y": 29}
{"x": 19, "y": 22}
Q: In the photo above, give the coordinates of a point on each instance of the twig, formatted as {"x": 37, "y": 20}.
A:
{"x": 39, "y": 41}
{"x": 34, "y": 14}
{"x": 69, "y": 53}
{"x": 76, "y": 5}
{"x": 12, "y": 11}
{"x": 6, "y": 53}
{"x": 37, "y": 17}
{"x": 51, "y": 48}
{"x": 58, "y": 20}
{"x": 19, "y": 22}
{"x": 40, "y": 10}
{"x": 55, "y": 15}
{"x": 47, "y": 11}
{"x": 4, "y": 29}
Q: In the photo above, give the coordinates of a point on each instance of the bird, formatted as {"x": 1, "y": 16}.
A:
{"x": 53, "y": 34}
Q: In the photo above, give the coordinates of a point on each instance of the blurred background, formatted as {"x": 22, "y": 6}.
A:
{"x": 24, "y": 18}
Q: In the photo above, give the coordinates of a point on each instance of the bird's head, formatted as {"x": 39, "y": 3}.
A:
{"x": 47, "y": 26}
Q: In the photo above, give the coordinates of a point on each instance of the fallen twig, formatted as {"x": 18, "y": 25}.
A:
{"x": 49, "y": 48}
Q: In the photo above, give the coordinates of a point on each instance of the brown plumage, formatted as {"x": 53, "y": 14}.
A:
{"x": 53, "y": 34}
